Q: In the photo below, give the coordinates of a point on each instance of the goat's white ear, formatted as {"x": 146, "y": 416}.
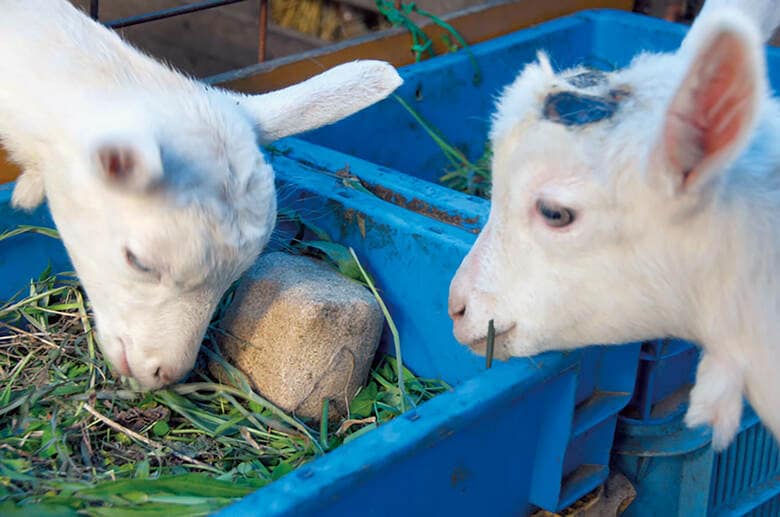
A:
{"x": 129, "y": 162}
{"x": 321, "y": 100}
{"x": 716, "y": 106}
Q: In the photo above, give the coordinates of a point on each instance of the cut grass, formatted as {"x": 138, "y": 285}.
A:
{"x": 76, "y": 440}
{"x": 472, "y": 178}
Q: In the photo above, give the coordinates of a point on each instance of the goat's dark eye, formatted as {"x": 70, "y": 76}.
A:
{"x": 555, "y": 215}
{"x": 133, "y": 262}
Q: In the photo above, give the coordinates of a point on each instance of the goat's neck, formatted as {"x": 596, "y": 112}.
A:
{"x": 735, "y": 257}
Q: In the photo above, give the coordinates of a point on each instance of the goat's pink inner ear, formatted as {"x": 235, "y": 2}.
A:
{"x": 712, "y": 108}
{"x": 118, "y": 163}
{"x": 134, "y": 166}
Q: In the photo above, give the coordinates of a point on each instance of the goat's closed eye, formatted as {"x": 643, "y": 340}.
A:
{"x": 556, "y": 216}
{"x": 133, "y": 262}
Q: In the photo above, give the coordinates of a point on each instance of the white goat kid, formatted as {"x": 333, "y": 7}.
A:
{"x": 638, "y": 204}
{"x": 155, "y": 181}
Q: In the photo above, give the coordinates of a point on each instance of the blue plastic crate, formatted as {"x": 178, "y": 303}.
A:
{"x": 605, "y": 374}
{"x": 527, "y": 433}
{"x": 770, "y": 508}
{"x": 673, "y": 468}
{"x": 667, "y": 370}
{"x": 446, "y": 92}
{"x": 676, "y": 472}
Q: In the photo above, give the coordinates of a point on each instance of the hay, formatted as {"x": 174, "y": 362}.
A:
{"x": 76, "y": 439}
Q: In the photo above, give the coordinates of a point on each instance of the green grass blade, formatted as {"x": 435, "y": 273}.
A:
{"x": 390, "y": 323}
{"x": 324, "y": 425}
{"x": 22, "y": 229}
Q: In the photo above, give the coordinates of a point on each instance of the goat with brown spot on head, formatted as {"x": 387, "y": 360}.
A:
{"x": 638, "y": 204}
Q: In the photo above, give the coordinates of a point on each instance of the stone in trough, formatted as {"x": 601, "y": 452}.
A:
{"x": 302, "y": 332}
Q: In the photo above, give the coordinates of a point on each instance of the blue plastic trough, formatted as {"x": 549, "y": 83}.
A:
{"x": 523, "y": 435}
{"x": 449, "y": 95}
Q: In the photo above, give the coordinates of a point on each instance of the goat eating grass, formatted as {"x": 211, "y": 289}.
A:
{"x": 155, "y": 181}
{"x": 637, "y": 204}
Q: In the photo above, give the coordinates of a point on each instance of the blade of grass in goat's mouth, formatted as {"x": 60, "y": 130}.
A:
{"x": 491, "y": 343}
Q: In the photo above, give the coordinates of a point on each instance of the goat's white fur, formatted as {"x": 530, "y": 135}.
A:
{"x": 653, "y": 251}
{"x": 146, "y": 169}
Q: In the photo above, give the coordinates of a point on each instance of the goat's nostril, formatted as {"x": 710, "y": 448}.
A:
{"x": 163, "y": 375}
{"x": 458, "y": 311}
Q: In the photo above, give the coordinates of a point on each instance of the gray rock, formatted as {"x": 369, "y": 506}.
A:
{"x": 302, "y": 332}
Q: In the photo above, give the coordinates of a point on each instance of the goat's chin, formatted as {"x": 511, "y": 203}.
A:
{"x": 501, "y": 344}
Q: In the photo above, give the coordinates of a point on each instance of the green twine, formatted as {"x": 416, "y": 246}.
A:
{"x": 421, "y": 42}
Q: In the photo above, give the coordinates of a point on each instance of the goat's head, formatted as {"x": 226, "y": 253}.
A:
{"x": 603, "y": 188}
{"x": 162, "y": 203}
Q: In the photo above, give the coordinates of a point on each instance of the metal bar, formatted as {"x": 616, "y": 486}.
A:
{"x": 94, "y": 9}
{"x": 167, "y": 13}
{"x": 263, "y": 31}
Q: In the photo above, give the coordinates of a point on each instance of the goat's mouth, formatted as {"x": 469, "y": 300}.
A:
{"x": 502, "y": 338}
{"x": 123, "y": 366}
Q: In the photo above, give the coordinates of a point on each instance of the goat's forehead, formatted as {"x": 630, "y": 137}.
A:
{"x": 599, "y": 117}
{"x": 583, "y": 98}
{"x": 161, "y": 221}
{"x": 549, "y": 157}
{"x": 533, "y": 159}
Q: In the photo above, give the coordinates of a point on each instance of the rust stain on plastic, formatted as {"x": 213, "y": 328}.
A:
{"x": 423, "y": 208}
{"x": 361, "y": 222}
{"x": 349, "y": 215}
{"x": 415, "y": 205}
{"x": 381, "y": 233}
